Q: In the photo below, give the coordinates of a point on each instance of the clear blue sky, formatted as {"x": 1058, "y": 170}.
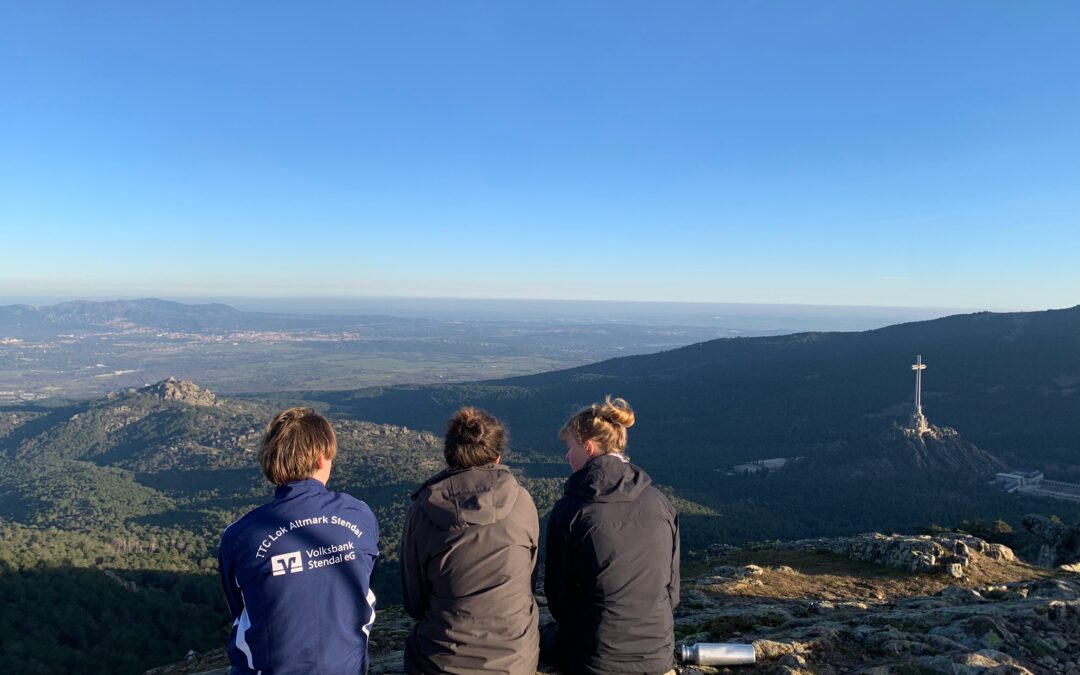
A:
{"x": 871, "y": 153}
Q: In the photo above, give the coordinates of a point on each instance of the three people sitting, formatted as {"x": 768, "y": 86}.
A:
{"x": 469, "y": 559}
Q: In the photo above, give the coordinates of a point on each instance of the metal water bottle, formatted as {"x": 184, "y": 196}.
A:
{"x": 719, "y": 654}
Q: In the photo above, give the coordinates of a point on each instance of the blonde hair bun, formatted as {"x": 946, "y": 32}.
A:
{"x": 616, "y": 411}
{"x": 604, "y": 423}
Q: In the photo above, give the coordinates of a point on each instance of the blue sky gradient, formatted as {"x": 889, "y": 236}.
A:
{"x": 865, "y": 153}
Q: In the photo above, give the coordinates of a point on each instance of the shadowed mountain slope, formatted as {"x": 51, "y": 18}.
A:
{"x": 1009, "y": 381}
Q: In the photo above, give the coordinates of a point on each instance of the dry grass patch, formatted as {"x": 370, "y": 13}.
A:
{"x": 790, "y": 575}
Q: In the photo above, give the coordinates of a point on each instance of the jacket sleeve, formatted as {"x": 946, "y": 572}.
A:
{"x": 673, "y": 586}
{"x": 415, "y": 589}
{"x": 227, "y": 573}
{"x": 557, "y": 567}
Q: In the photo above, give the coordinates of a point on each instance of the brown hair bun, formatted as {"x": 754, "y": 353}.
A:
{"x": 467, "y": 424}
{"x": 474, "y": 437}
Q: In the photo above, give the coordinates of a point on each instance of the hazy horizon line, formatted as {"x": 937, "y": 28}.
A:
{"x": 41, "y": 300}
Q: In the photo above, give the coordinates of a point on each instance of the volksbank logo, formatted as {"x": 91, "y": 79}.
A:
{"x": 287, "y": 562}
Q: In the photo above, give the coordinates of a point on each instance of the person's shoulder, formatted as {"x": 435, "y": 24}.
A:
{"x": 414, "y": 512}
{"x": 661, "y": 499}
{"x": 567, "y": 505}
{"x": 346, "y": 503}
{"x": 524, "y": 500}
{"x": 354, "y": 514}
{"x": 238, "y": 527}
{"x": 347, "y": 500}
{"x": 523, "y": 493}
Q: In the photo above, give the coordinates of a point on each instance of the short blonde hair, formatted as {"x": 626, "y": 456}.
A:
{"x": 605, "y": 424}
{"x": 294, "y": 442}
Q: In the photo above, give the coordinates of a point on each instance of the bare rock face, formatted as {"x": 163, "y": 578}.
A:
{"x": 940, "y": 449}
{"x": 184, "y": 391}
{"x": 949, "y": 554}
{"x": 902, "y": 453}
{"x": 1061, "y": 543}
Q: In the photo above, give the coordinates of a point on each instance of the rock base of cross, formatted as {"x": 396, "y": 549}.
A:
{"x": 919, "y": 424}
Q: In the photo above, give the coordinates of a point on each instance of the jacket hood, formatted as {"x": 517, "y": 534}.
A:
{"x": 479, "y": 495}
{"x": 608, "y": 478}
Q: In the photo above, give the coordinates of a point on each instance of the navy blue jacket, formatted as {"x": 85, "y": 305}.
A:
{"x": 297, "y": 575}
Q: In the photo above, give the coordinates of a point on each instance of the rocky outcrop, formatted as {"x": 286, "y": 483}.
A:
{"x": 1060, "y": 542}
{"x": 1032, "y": 627}
{"x": 939, "y": 449}
{"x": 184, "y": 391}
{"x": 899, "y": 453}
{"x": 949, "y": 554}
{"x": 820, "y": 614}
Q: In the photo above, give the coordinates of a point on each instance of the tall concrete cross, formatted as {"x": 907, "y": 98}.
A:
{"x": 918, "y": 420}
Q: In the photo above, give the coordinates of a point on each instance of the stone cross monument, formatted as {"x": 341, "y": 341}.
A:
{"x": 918, "y": 421}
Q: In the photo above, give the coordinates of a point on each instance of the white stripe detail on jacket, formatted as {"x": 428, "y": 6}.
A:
{"x": 242, "y": 625}
{"x": 371, "y": 604}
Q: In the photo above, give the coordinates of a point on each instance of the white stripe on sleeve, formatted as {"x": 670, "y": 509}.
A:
{"x": 371, "y": 604}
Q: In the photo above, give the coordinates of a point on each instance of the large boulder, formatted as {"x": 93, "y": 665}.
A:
{"x": 1060, "y": 542}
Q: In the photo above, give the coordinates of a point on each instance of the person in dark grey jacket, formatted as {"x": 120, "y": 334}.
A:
{"x": 468, "y": 560}
{"x": 612, "y": 569}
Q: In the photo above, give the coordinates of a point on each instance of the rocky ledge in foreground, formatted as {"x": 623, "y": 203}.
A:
{"x": 886, "y": 604}
{"x": 852, "y": 605}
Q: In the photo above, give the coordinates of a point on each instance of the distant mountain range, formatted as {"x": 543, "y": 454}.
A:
{"x": 34, "y": 321}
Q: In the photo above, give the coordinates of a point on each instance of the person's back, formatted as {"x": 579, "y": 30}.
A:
{"x": 611, "y": 578}
{"x": 469, "y": 551}
{"x": 612, "y": 570}
{"x": 297, "y": 571}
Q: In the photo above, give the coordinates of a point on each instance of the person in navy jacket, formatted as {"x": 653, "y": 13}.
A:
{"x": 297, "y": 571}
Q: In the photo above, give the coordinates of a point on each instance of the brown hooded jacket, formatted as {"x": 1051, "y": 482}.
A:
{"x": 468, "y": 556}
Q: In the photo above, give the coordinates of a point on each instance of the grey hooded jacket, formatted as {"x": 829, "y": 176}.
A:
{"x": 468, "y": 557}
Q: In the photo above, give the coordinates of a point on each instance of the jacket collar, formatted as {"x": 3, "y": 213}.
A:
{"x": 299, "y": 487}
{"x": 608, "y": 478}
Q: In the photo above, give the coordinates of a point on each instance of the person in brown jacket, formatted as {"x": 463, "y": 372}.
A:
{"x": 468, "y": 560}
